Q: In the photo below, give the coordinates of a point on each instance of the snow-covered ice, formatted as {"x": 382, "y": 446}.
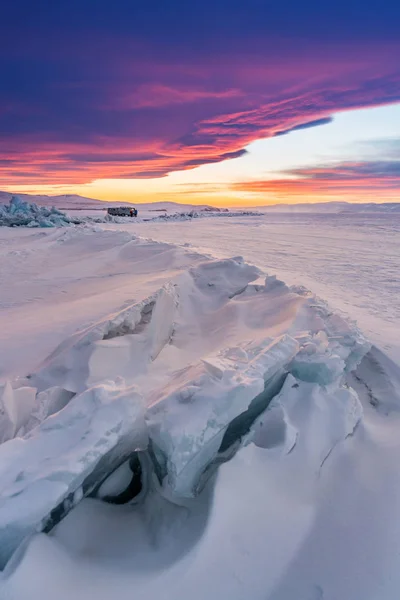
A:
{"x": 251, "y": 431}
{"x": 20, "y": 213}
{"x": 49, "y": 469}
{"x": 351, "y": 258}
{"x": 55, "y": 282}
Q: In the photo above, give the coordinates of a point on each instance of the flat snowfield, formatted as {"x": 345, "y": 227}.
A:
{"x": 178, "y": 422}
{"x": 350, "y": 259}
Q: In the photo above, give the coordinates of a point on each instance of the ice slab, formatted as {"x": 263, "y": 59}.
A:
{"x": 16, "y": 406}
{"x": 188, "y": 425}
{"x": 44, "y": 474}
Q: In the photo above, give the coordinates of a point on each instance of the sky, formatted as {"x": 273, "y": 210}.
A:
{"x": 219, "y": 101}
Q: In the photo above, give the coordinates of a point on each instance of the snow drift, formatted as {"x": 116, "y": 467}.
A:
{"x": 219, "y": 358}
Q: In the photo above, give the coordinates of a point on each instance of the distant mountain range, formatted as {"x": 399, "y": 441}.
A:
{"x": 75, "y": 202}
{"x": 66, "y": 201}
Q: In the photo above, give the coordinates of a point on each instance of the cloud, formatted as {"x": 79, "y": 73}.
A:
{"x": 352, "y": 171}
{"x": 155, "y": 95}
{"x": 315, "y": 123}
{"x": 348, "y": 178}
{"x": 97, "y": 90}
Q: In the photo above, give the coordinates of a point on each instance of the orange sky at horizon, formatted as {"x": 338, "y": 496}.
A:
{"x": 274, "y": 194}
{"x": 352, "y": 158}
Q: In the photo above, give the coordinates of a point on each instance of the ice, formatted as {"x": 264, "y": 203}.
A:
{"x": 300, "y": 246}
{"x": 132, "y": 339}
{"x": 311, "y": 417}
{"x": 206, "y": 354}
{"x": 45, "y": 473}
{"x": 117, "y": 483}
{"x": 22, "y": 213}
{"x": 255, "y": 423}
{"x": 320, "y": 361}
{"x": 123, "y": 344}
{"x": 188, "y": 425}
{"x": 47, "y": 403}
{"x": 16, "y": 406}
{"x": 377, "y": 381}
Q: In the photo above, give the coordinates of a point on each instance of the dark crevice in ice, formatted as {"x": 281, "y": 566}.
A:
{"x": 104, "y": 468}
{"x": 135, "y": 485}
{"x": 241, "y": 425}
{"x": 238, "y": 292}
{"x": 336, "y": 444}
{"x": 61, "y": 510}
{"x": 158, "y": 460}
{"x": 373, "y": 400}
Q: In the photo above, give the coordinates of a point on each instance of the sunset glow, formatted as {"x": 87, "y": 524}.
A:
{"x": 119, "y": 114}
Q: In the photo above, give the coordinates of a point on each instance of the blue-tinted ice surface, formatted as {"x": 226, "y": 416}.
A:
{"x": 23, "y": 214}
{"x": 187, "y": 370}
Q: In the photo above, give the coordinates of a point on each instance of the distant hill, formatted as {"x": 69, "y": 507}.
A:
{"x": 172, "y": 207}
{"x": 66, "y": 201}
{"x": 75, "y": 202}
{"x": 331, "y": 207}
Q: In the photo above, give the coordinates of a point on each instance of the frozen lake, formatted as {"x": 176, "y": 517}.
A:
{"x": 350, "y": 260}
{"x": 156, "y": 325}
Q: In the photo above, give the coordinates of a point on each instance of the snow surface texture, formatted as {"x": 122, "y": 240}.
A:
{"x": 206, "y": 354}
{"x": 19, "y": 213}
{"x": 54, "y": 282}
{"x": 351, "y": 258}
{"x": 268, "y": 458}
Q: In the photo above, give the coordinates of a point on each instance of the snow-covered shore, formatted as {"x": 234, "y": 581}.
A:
{"x": 264, "y": 424}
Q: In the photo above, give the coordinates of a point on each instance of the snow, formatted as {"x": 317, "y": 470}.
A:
{"x": 253, "y": 429}
{"x": 350, "y": 259}
{"x": 55, "y": 282}
{"x": 64, "y": 457}
{"x": 196, "y": 381}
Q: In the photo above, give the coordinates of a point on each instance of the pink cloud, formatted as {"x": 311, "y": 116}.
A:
{"x": 126, "y": 113}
